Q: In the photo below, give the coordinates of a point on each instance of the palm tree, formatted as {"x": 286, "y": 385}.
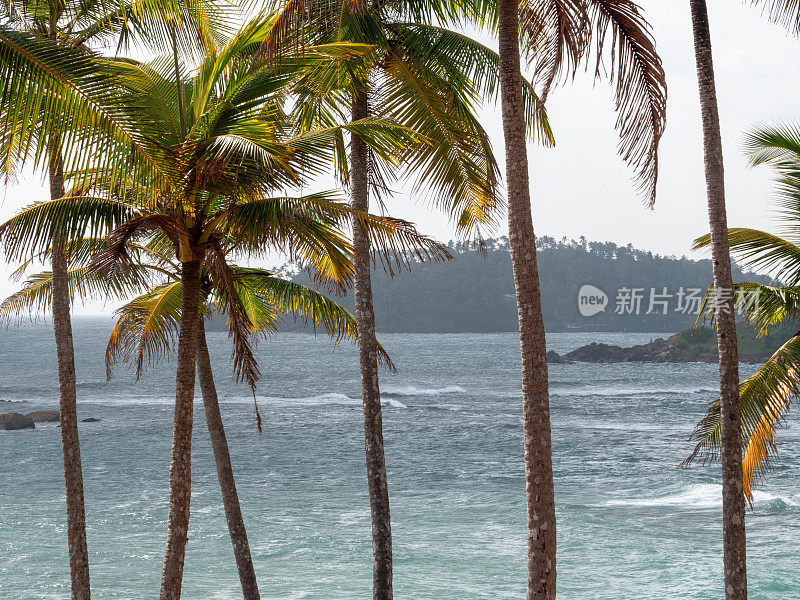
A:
{"x": 429, "y": 79}
{"x": 730, "y": 435}
{"x": 733, "y": 502}
{"x": 146, "y": 328}
{"x": 558, "y": 34}
{"x": 765, "y": 396}
{"x": 218, "y": 144}
{"x": 59, "y": 89}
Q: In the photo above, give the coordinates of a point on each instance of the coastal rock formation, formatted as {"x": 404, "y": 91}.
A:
{"x": 658, "y": 351}
{"x": 554, "y": 358}
{"x": 44, "y": 416}
{"x": 10, "y": 421}
{"x": 90, "y": 420}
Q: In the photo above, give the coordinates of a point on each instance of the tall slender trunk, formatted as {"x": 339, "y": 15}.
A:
{"x": 368, "y": 359}
{"x": 180, "y": 475}
{"x": 733, "y": 503}
{"x": 219, "y": 443}
{"x": 73, "y": 474}
{"x": 535, "y": 398}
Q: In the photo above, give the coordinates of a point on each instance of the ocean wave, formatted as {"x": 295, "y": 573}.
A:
{"x": 331, "y": 398}
{"x": 415, "y": 391}
{"x": 323, "y": 399}
{"x": 613, "y": 393}
{"x": 702, "y": 495}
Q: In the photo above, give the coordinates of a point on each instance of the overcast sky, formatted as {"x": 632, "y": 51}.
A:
{"x": 581, "y": 187}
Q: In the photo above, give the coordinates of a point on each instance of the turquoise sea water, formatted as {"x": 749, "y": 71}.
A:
{"x": 630, "y": 524}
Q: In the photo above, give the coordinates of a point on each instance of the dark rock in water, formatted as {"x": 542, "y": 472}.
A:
{"x": 9, "y": 421}
{"x": 554, "y": 358}
{"x": 44, "y": 416}
{"x": 90, "y": 420}
{"x": 657, "y": 351}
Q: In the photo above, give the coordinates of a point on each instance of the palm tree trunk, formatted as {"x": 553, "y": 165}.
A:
{"x": 733, "y": 501}
{"x": 535, "y": 397}
{"x": 73, "y": 474}
{"x": 230, "y": 499}
{"x": 180, "y": 476}
{"x": 368, "y": 359}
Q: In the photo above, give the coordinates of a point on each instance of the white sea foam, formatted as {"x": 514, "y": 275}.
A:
{"x": 415, "y": 391}
{"x": 392, "y": 402}
{"x": 702, "y": 495}
{"x": 623, "y": 392}
{"x": 323, "y": 399}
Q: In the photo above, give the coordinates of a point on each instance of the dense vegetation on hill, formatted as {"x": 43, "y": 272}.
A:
{"x": 475, "y": 292}
{"x": 704, "y": 341}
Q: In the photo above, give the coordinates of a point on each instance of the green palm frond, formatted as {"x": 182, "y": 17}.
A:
{"x": 762, "y": 251}
{"x": 457, "y": 167}
{"x": 764, "y": 399}
{"x": 146, "y": 328}
{"x": 779, "y": 147}
{"x": 36, "y": 293}
{"x": 763, "y": 306}
{"x": 31, "y": 231}
{"x": 470, "y": 68}
{"x": 310, "y": 229}
{"x": 269, "y": 298}
{"x": 62, "y": 101}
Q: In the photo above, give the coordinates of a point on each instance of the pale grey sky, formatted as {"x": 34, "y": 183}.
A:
{"x": 581, "y": 187}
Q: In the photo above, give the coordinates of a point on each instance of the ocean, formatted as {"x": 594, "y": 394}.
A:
{"x": 630, "y": 523}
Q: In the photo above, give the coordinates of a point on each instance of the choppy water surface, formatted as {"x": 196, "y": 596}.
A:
{"x": 631, "y": 525}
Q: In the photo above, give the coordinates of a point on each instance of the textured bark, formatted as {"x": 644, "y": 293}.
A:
{"x": 535, "y": 397}
{"x": 73, "y": 474}
{"x": 733, "y": 501}
{"x": 222, "y": 457}
{"x": 368, "y": 359}
{"x": 180, "y": 476}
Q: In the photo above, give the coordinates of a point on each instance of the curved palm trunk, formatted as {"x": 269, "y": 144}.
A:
{"x": 180, "y": 476}
{"x": 733, "y": 502}
{"x": 222, "y": 457}
{"x": 535, "y": 397}
{"x": 368, "y": 359}
{"x": 68, "y": 409}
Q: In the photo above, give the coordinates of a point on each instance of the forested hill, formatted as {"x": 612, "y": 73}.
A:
{"x": 475, "y": 293}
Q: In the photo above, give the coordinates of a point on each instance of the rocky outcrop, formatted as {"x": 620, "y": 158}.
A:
{"x": 10, "y": 421}
{"x": 90, "y": 420}
{"x": 44, "y": 416}
{"x": 657, "y": 351}
{"x": 554, "y": 358}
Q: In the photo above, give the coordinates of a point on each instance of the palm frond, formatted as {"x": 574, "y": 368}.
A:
{"x": 268, "y": 298}
{"x": 63, "y": 101}
{"x": 32, "y": 230}
{"x": 641, "y": 85}
{"x": 779, "y": 147}
{"x": 764, "y": 399}
{"x": 239, "y": 326}
{"x": 457, "y": 167}
{"x": 146, "y": 328}
{"x": 37, "y": 291}
{"x": 783, "y": 12}
{"x": 762, "y": 251}
{"x": 555, "y": 36}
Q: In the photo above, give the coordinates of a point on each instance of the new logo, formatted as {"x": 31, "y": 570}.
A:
{"x": 591, "y": 300}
